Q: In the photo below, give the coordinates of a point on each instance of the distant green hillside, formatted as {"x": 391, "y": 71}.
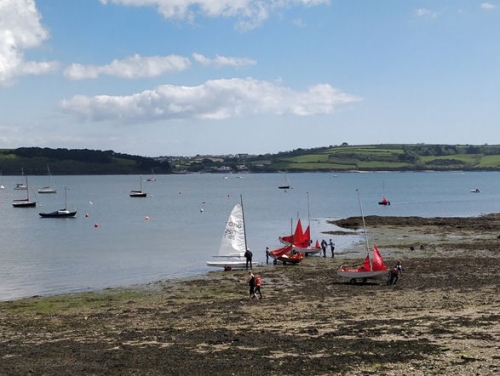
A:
{"x": 417, "y": 157}
{"x": 389, "y": 157}
{"x": 34, "y": 161}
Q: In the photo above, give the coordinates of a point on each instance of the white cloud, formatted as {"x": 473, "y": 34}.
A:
{"x": 488, "y": 6}
{"x": 20, "y": 29}
{"x": 221, "y": 61}
{"x": 215, "y": 99}
{"x": 251, "y": 13}
{"x": 135, "y": 66}
{"x": 422, "y": 12}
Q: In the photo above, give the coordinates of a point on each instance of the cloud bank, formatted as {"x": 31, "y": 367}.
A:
{"x": 135, "y": 66}
{"x": 20, "y": 29}
{"x": 215, "y": 99}
{"x": 251, "y": 13}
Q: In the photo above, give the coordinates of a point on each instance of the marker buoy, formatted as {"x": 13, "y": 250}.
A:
{"x": 146, "y": 218}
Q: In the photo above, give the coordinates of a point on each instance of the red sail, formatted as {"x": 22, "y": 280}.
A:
{"x": 280, "y": 251}
{"x": 378, "y": 262}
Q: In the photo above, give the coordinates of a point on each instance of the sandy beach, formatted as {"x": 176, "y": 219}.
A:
{"x": 442, "y": 317}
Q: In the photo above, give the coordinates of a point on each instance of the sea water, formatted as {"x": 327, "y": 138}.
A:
{"x": 116, "y": 240}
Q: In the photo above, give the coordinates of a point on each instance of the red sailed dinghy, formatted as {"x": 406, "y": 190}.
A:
{"x": 371, "y": 268}
{"x": 287, "y": 255}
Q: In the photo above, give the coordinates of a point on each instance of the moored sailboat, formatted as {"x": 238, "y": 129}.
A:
{"x": 48, "y": 189}
{"x": 138, "y": 193}
{"x": 25, "y": 202}
{"x": 61, "y": 213}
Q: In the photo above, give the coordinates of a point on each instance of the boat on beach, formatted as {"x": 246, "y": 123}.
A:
{"x": 287, "y": 255}
{"x": 233, "y": 244}
{"x": 373, "y": 267}
{"x": 301, "y": 240}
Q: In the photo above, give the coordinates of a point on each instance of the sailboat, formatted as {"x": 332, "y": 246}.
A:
{"x": 233, "y": 244}
{"x": 25, "y": 202}
{"x": 47, "y": 189}
{"x": 21, "y": 186}
{"x": 372, "y": 267}
{"x": 61, "y": 213}
{"x": 287, "y": 255}
{"x": 301, "y": 240}
{"x": 286, "y": 185}
{"x": 152, "y": 177}
{"x": 138, "y": 193}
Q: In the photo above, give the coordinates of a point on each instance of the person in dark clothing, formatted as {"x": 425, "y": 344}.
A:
{"x": 248, "y": 256}
{"x": 323, "y": 247}
{"x": 267, "y": 255}
{"x": 332, "y": 248}
{"x": 251, "y": 284}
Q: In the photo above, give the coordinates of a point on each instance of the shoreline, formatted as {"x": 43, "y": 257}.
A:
{"x": 441, "y": 318}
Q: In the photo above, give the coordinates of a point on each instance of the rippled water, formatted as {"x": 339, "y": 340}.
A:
{"x": 125, "y": 241}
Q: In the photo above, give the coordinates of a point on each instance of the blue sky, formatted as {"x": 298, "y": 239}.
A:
{"x": 187, "y": 77}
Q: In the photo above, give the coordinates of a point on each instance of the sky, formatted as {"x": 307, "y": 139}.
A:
{"x": 196, "y": 77}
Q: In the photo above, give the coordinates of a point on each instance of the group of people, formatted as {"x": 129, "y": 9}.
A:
{"x": 324, "y": 246}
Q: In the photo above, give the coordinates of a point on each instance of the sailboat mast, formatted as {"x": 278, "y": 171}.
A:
{"x": 243, "y": 216}
{"x": 364, "y": 225}
{"x": 308, "y": 212}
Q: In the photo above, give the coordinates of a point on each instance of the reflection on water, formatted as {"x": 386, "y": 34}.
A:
{"x": 117, "y": 240}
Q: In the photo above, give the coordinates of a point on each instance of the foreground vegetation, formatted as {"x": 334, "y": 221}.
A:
{"x": 341, "y": 158}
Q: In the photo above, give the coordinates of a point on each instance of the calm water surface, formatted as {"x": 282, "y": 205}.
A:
{"x": 116, "y": 240}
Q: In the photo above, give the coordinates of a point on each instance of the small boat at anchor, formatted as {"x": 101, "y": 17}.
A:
{"x": 138, "y": 193}
{"x": 384, "y": 201}
{"x": 61, "y": 213}
{"x": 24, "y": 202}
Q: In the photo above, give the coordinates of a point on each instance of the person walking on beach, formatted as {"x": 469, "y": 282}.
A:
{"x": 258, "y": 282}
{"x": 332, "y": 248}
{"x": 267, "y": 255}
{"x": 251, "y": 284}
{"x": 323, "y": 247}
{"x": 396, "y": 270}
{"x": 248, "y": 256}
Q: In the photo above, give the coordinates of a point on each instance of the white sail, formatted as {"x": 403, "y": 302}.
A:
{"x": 233, "y": 240}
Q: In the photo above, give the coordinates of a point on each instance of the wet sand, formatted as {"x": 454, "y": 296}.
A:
{"x": 443, "y": 316}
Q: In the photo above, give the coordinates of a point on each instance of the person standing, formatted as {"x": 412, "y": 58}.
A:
{"x": 251, "y": 284}
{"x": 267, "y": 255}
{"x": 248, "y": 256}
{"x": 332, "y": 248}
{"x": 258, "y": 282}
{"x": 323, "y": 247}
